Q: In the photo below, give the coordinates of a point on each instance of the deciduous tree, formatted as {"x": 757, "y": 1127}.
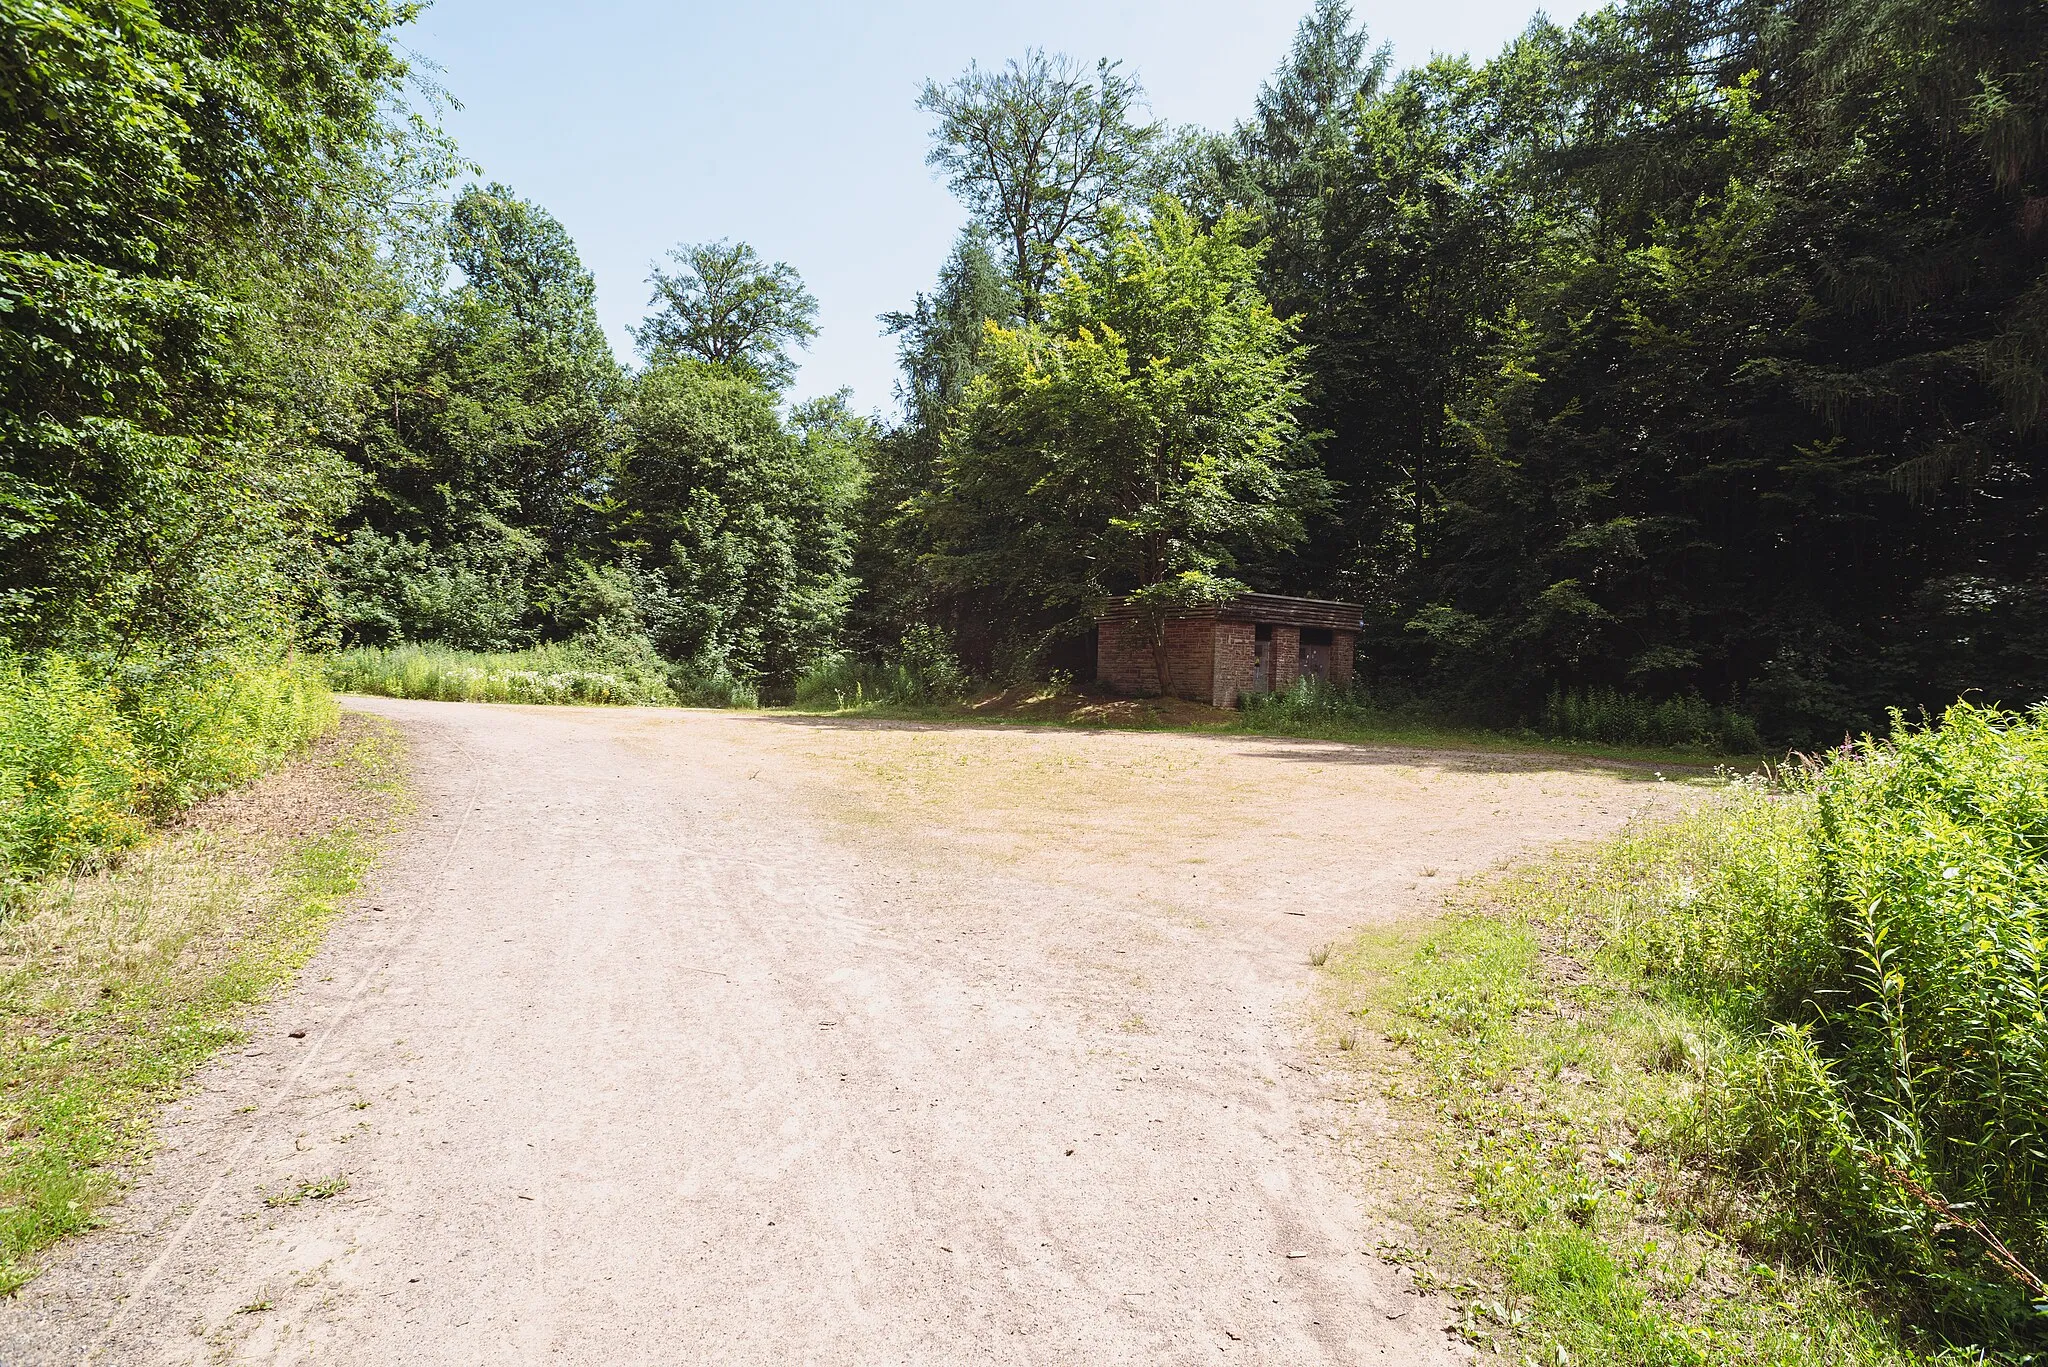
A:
{"x": 727, "y": 307}
{"x": 1039, "y": 151}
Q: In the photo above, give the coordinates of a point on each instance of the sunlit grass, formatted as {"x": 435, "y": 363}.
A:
{"x": 1639, "y": 1070}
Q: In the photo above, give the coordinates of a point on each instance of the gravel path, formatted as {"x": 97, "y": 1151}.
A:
{"x": 696, "y": 1037}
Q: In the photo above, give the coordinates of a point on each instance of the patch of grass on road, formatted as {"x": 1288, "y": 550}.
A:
{"x": 115, "y": 987}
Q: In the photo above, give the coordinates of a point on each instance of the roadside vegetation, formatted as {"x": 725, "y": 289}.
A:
{"x": 1763, "y": 1084}
{"x": 924, "y": 683}
{"x": 594, "y": 668}
{"x": 93, "y": 753}
{"x": 117, "y": 982}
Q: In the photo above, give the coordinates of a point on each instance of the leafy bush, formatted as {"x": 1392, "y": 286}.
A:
{"x": 715, "y": 687}
{"x": 388, "y": 589}
{"x": 1874, "y": 933}
{"x": 925, "y": 669}
{"x": 92, "y": 752}
{"x": 1689, "y": 722}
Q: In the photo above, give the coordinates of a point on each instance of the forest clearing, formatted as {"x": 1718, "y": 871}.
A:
{"x": 826, "y": 683}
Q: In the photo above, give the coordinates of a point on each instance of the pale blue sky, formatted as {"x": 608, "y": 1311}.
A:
{"x": 792, "y": 125}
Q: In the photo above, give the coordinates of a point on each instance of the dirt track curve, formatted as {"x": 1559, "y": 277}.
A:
{"x": 671, "y": 1037}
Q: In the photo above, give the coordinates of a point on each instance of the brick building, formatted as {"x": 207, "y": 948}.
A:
{"x": 1253, "y": 643}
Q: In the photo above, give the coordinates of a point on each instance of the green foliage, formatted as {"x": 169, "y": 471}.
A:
{"x": 1039, "y": 153}
{"x": 1694, "y": 350}
{"x": 1549, "y": 1086}
{"x": 473, "y": 595}
{"x": 181, "y": 192}
{"x": 725, "y": 307}
{"x": 93, "y": 753}
{"x": 1143, "y": 436}
{"x": 596, "y": 667}
{"x": 1924, "y": 1056}
{"x": 923, "y": 669}
{"x": 1611, "y": 717}
{"x": 119, "y": 985}
{"x": 487, "y": 449}
{"x": 739, "y": 520}
{"x": 1870, "y": 945}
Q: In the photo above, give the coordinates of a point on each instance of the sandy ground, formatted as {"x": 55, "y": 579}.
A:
{"x": 694, "y": 1037}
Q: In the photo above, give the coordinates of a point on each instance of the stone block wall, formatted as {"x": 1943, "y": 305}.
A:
{"x": 1286, "y": 657}
{"x": 1236, "y": 655}
{"x": 1343, "y": 656}
{"x": 1211, "y": 661}
{"x": 1191, "y": 657}
{"x": 1123, "y": 660}
{"x": 1208, "y": 661}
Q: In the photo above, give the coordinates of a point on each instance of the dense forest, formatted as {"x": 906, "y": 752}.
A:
{"x": 1695, "y": 350}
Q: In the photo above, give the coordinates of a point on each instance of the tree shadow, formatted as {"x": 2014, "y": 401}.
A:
{"x": 1387, "y": 754}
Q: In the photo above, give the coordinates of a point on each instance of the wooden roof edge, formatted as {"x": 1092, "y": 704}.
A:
{"x": 1276, "y": 608}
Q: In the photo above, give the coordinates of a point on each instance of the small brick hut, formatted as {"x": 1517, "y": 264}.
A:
{"x": 1253, "y": 643}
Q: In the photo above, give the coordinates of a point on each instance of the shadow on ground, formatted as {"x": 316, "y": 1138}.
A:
{"x": 1297, "y": 749}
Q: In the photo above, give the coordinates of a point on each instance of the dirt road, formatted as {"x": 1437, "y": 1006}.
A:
{"x": 692, "y": 1037}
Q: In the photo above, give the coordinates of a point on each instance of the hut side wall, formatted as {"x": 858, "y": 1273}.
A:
{"x": 1125, "y": 660}
{"x": 1211, "y": 661}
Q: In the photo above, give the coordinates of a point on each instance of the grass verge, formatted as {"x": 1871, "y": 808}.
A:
{"x": 1538, "y": 1098}
{"x": 598, "y": 667}
{"x": 116, "y": 985}
{"x": 1759, "y": 1085}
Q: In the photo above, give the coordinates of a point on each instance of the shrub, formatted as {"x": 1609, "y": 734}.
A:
{"x": 93, "y": 752}
{"x": 473, "y": 595}
{"x": 924, "y": 669}
{"x": 1873, "y": 931}
{"x": 1918, "y": 1076}
{"x": 1689, "y": 722}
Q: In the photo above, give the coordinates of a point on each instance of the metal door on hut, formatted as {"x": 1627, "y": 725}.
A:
{"x": 1315, "y": 654}
{"x": 1262, "y": 659}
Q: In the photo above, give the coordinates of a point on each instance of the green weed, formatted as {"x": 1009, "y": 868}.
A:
{"x": 614, "y": 670}
{"x": 1762, "y": 1084}
{"x": 1610, "y": 717}
{"x": 1623, "y": 724}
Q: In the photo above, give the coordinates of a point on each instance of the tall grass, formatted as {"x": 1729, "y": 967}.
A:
{"x": 923, "y": 669}
{"x": 92, "y": 752}
{"x": 1874, "y": 936}
{"x": 599, "y": 668}
{"x": 1608, "y": 717}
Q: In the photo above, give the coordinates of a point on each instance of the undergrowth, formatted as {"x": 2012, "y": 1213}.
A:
{"x": 1762, "y": 1084}
{"x": 597, "y": 667}
{"x": 93, "y": 752}
{"x": 1595, "y": 718}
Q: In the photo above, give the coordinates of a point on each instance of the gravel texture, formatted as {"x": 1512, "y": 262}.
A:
{"x": 669, "y": 1036}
